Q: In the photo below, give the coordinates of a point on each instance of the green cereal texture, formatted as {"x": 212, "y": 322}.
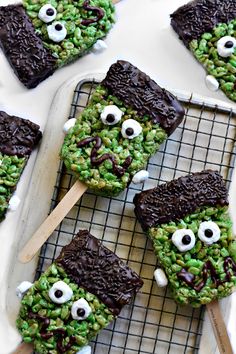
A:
{"x": 173, "y": 261}
{"x": 11, "y": 168}
{"x": 223, "y": 69}
{"x": 38, "y": 301}
{"x": 79, "y": 38}
{"x": 101, "y": 178}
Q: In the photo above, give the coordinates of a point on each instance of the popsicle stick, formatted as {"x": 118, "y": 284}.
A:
{"x": 24, "y": 348}
{"x": 219, "y": 328}
{"x": 115, "y": 1}
{"x": 52, "y": 221}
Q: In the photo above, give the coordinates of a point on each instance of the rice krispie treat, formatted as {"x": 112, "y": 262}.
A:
{"x": 208, "y": 29}
{"x": 127, "y": 119}
{"x": 188, "y": 222}
{"x": 40, "y": 36}
{"x": 79, "y": 294}
{"x": 18, "y": 137}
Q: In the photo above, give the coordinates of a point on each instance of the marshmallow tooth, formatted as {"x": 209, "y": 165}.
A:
{"x": 85, "y": 350}
{"x": 22, "y": 289}
{"x": 140, "y": 177}
{"x": 68, "y": 125}
{"x": 160, "y": 277}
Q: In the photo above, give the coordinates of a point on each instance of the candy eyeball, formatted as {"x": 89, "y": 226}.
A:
{"x": 111, "y": 115}
{"x": 60, "y": 292}
{"x": 57, "y": 32}
{"x": 47, "y": 13}
{"x": 184, "y": 239}
{"x": 80, "y": 310}
{"x": 226, "y": 46}
{"x": 209, "y": 232}
{"x": 131, "y": 129}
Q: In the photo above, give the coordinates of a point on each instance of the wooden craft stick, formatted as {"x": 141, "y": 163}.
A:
{"x": 219, "y": 328}
{"x": 52, "y": 221}
{"x": 24, "y": 348}
{"x": 115, "y": 1}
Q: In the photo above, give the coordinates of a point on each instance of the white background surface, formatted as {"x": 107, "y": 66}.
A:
{"x": 141, "y": 35}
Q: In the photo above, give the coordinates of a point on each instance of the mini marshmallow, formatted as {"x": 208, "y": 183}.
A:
{"x": 85, "y": 350}
{"x": 109, "y": 111}
{"x": 68, "y": 125}
{"x": 22, "y": 289}
{"x": 222, "y": 49}
{"x": 80, "y": 304}
{"x": 99, "y": 46}
{"x": 140, "y": 177}
{"x": 14, "y": 203}
{"x": 213, "y": 232}
{"x": 43, "y": 16}
{"x": 60, "y": 286}
{"x": 212, "y": 83}
{"x": 160, "y": 277}
{"x": 131, "y": 125}
{"x": 57, "y": 35}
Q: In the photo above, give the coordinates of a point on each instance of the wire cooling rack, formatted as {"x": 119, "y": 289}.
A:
{"x": 153, "y": 323}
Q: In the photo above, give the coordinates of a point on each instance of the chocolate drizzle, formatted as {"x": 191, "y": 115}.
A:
{"x": 197, "y": 17}
{"x": 24, "y": 50}
{"x": 190, "y": 279}
{"x": 17, "y": 136}
{"x": 100, "y": 13}
{"x": 99, "y": 271}
{"x": 95, "y": 160}
{"x": 139, "y": 91}
{"x": 174, "y": 200}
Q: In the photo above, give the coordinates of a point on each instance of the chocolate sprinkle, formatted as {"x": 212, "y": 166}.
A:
{"x": 174, "y": 200}
{"x": 31, "y": 62}
{"x": 139, "y": 91}
{"x": 18, "y": 136}
{"x": 197, "y": 17}
{"x": 98, "y": 270}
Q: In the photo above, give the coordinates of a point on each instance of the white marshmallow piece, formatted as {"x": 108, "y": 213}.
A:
{"x": 43, "y": 16}
{"x": 22, "y": 289}
{"x": 14, "y": 203}
{"x": 68, "y": 125}
{"x": 161, "y": 278}
{"x": 177, "y": 239}
{"x": 213, "y": 227}
{"x": 222, "y": 49}
{"x": 67, "y": 292}
{"x": 140, "y": 177}
{"x": 131, "y": 124}
{"x": 85, "y": 350}
{"x": 99, "y": 46}
{"x": 80, "y": 304}
{"x": 55, "y": 34}
{"x": 113, "y": 111}
{"x": 212, "y": 83}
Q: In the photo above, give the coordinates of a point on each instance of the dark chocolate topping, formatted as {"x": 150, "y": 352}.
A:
{"x": 174, "y": 200}
{"x": 97, "y": 10}
{"x": 99, "y": 271}
{"x": 24, "y": 50}
{"x": 18, "y": 136}
{"x": 96, "y": 161}
{"x": 139, "y": 91}
{"x": 197, "y": 17}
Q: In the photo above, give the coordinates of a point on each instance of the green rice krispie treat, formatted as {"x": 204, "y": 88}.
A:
{"x": 43, "y": 35}
{"x": 208, "y": 29}
{"x": 188, "y": 222}
{"x": 18, "y": 137}
{"x": 79, "y": 294}
{"x": 127, "y": 119}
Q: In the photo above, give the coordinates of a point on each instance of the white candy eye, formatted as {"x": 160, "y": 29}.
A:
{"x": 60, "y": 292}
{"x": 184, "y": 239}
{"x": 209, "y": 232}
{"x": 57, "y": 32}
{"x": 111, "y": 115}
{"x": 131, "y": 129}
{"x": 226, "y": 46}
{"x": 47, "y": 13}
{"x": 80, "y": 310}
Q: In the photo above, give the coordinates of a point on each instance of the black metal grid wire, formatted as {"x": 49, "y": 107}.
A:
{"x": 153, "y": 323}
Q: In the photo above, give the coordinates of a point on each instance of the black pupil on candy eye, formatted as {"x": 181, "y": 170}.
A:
{"x": 110, "y": 118}
{"x": 208, "y": 233}
{"x": 58, "y": 27}
{"x": 58, "y": 293}
{"x": 229, "y": 44}
{"x": 129, "y": 131}
{"x": 81, "y": 312}
{"x": 186, "y": 240}
{"x": 50, "y": 12}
